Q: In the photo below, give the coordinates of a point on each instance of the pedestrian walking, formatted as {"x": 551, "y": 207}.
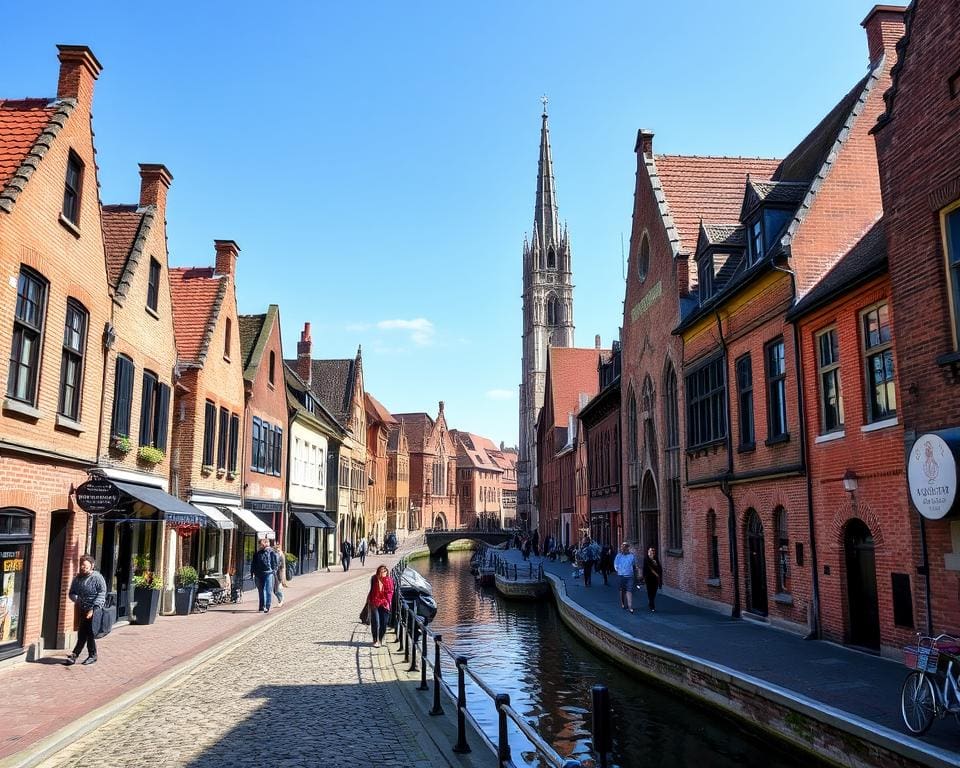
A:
{"x": 280, "y": 578}
{"x": 652, "y": 577}
{"x": 625, "y": 564}
{"x": 373, "y": 549}
{"x": 589, "y": 555}
{"x": 536, "y": 542}
{"x": 263, "y": 570}
{"x": 346, "y": 552}
{"x": 606, "y": 562}
{"x": 88, "y": 591}
{"x": 525, "y": 548}
{"x": 362, "y": 551}
{"x": 379, "y": 600}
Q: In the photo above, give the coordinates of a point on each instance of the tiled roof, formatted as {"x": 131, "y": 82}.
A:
{"x": 121, "y": 226}
{"x": 787, "y": 194}
{"x": 708, "y": 188}
{"x": 196, "y": 295}
{"x": 376, "y": 408}
{"x": 28, "y": 128}
{"x": 250, "y": 327}
{"x": 320, "y": 417}
{"x": 572, "y": 371}
{"x": 864, "y": 261}
{"x": 332, "y": 383}
{"x": 732, "y": 235}
{"x": 417, "y": 427}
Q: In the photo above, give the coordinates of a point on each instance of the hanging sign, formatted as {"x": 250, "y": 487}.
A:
{"x": 97, "y": 496}
{"x": 932, "y": 476}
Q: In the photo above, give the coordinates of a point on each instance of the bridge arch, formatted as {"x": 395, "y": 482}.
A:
{"x": 439, "y": 539}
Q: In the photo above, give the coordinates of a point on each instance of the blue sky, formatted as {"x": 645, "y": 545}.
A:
{"x": 376, "y": 162}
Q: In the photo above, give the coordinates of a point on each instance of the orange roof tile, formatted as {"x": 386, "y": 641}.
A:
{"x": 120, "y": 226}
{"x": 21, "y": 122}
{"x": 376, "y": 408}
{"x": 572, "y": 371}
{"x": 194, "y": 292}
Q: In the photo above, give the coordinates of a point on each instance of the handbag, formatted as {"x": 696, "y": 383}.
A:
{"x": 365, "y": 614}
{"x": 101, "y": 623}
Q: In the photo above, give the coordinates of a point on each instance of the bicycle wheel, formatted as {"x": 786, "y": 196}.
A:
{"x": 918, "y": 703}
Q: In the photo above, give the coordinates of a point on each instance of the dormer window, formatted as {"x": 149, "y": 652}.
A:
{"x": 756, "y": 240}
{"x": 714, "y": 270}
{"x": 705, "y": 276}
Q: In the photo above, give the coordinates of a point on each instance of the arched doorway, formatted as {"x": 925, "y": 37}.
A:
{"x": 756, "y": 565}
{"x": 862, "y": 607}
{"x": 649, "y": 514}
{"x": 439, "y": 521}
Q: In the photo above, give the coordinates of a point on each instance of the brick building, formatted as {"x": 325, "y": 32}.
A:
{"x": 54, "y": 309}
{"x": 379, "y": 422}
{"x": 479, "y": 481}
{"x": 400, "y": 513}
{"x": 433, "y": 469}
{"x": 918, "y": 148}
{"x": 562, "y": 501}
{"x": 506, "y": 459}
{"x": 745, "y": 453}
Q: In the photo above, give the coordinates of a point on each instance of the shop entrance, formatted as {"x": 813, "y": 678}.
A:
{"x": 16, "y": 533}
{"x": 53, "y": 589}
{"x": 756, "y": 565}
{"x": 862, "y": 606}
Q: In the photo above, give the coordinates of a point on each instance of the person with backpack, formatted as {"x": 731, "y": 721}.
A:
{"x": 346, "y": 552}
{"x": 263, "y": 570}
{"x": 89, "y": 591}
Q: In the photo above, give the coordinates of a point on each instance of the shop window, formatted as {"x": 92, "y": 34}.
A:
{"x": 153, "y": 285}
{"x": 776, "y": 391}
{"x": 71, "y": 361}
{"x": 122, "y": 397}
{"x": 16, "y": 533}
{"x": 878, "y": 360}
{"x": 828, "y": 378}
{"x": 783, "y": 550}
{"x": 72, "y": 188}
{"x": 209, "y": 432}
{"x": 27, "y": 337}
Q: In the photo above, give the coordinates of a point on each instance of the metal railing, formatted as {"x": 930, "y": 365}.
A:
{"x": 411, "y": 630}
{"x": 516, "y": 571}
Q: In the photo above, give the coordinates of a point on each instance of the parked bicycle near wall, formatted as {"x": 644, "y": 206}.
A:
{"x": 932, "y": 689}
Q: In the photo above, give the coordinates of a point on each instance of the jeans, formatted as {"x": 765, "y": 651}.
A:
{"x": 363, "y": 558}
{"x": 277, "y": 589}
{"x": 85, "y": 636}
{"x": 265, "y": 589}
{"x": 346, "y": 563}
{"x": 379, "y": 618}
{"x": 587, "y": 570}
{"x": 651, "y": 593}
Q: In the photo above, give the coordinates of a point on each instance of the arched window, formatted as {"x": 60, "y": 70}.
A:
{"x": 551, "y": 259}
{"x": 671, "y": 420}
{"x": 273, "y": 367}
{"x": 553, "y": 311}
{"x": 783, "y": 550}
{"x": 643, "y": 258}
{"x": 713, "y": 544}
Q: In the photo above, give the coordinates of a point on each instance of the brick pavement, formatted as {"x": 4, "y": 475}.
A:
{"x": 50, "y": 696}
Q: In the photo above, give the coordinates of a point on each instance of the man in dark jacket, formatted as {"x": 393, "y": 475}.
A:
{"x": 89, "y": 591}
{"x": 346, "y": 552}
{"x": 263, "y": 569}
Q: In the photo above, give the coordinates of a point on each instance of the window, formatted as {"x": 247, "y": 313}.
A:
{"x": 71, "y": 363}
{"x": 122, "y": 397}
{"x": 878, "y": 357}
{"x": 278, "y": 451}
{"x": 745, "y": 402}
{"x": 774, "y": 220}
{"x": 783, "y": 549}
{"x": 72, "y": 188}
{"x": 828, "y": 376}
{"x": 713, "y": 564}
{"x": 262, "y": 447}
{"x": 255, "y": 444}
{"x": 776, "y": 391}
{"x": 705, "y": 277}
{"x": 551, "y": 259}
{"x": 706, "y": 400}
{"x": 27, "y": 336}
{"x": 148, "y": 397}
{"x": 672, "y": 423}
{"x": 222, "y": 438}
{"x": 552, "y": 313}
{"x": 755, "y": 238}
{"x": 951, "y": 245}
{"x": 273, "y": 366}
{"x": 643, "y": 258}
{"x": 153, "y": 285}
{"x": 234, "y": 442}
{"x": 226, "y": 339}
{"x": 209, "y": 432}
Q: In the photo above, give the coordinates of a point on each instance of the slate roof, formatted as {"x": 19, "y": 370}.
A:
{"x": 866, "y": 260}
{"x": 572, "y": 371}
{"x": 320, "y": 417}
{"x": 251, "y": 327}
{"x": 28, "y": 128}
{"x": 417, "y": 427}
{"x": 332, "y": 383}
{"x": 197, "y": 295}
{"x": 787, "y": 194}
{"x": 733, "y": 235}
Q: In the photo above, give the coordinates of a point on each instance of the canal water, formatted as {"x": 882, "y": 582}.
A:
{"x": 525, "y": 650}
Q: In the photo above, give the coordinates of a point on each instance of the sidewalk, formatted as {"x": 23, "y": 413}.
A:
{"x": 857, "y": 683}
{"x": 45, "y": 696}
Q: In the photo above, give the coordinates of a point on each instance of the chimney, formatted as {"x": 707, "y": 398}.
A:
{"x": 596, "y": 341}
{"x": 227, "y": 254}
{"x": 441, "y": 406}
{"x": 884, "y": 25}
{"x": 79, "y": 69}
{"x": 644, "y": 142}
{"x": 154, "y": 182}
{"x": 305, "y": 355}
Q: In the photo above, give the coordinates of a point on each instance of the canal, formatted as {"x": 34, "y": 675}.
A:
{"x": 525, "y": 650}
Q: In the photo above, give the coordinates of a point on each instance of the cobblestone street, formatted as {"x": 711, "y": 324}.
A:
{"x": 307, "y": 691}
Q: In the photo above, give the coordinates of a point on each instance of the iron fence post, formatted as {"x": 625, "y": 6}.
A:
{"x": 413, "y": 645}
{"x": 423, "y": 659}
{"x": 437, "y": 674}
{"x": 406, "y": 639}
{"x": 601, "y": 725}
{"x": 399, "y": 628}
{"x": 461, "y": 746}
{"x": 503, "y": 745}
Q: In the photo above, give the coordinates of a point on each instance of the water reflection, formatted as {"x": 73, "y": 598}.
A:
{"x": 524, "y": 649}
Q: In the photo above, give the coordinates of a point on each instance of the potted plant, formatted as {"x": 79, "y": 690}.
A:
{"x": 147, "y": 587}
{"x": 150, "y": 455}
{"x": 186, "y": 581}
{"x": 291, "y": 565}
{"x": 121, "y": 444}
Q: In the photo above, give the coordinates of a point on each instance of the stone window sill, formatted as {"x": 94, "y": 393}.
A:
{"x": 830, "y": 436}
{"x": 70, "y": 425}
{"x": 783, "y": 598}
{"x": 21, "y": 409}
{"x": 880, "y": 425}
{"x": 72, "y": 228}
{"x": 206, "y": 469}
{"x": 675, "y": 553}
{"x": 713, "y": 583}
{"x": 784, "y": 438}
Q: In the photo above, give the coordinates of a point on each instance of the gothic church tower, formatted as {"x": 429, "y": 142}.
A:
{"x": 547, "y": 319}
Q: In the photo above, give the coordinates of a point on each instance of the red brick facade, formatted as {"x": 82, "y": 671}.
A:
{"x": 433, "y": 469}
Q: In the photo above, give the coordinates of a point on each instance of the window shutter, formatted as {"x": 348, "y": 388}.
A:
{"x": 209, "y": 428}
{"x": 268, "y": 459}
{"x": 278, "y": 453}
{"x": 234, "y": 436}
{"x": 162, "y": 417}
{"x": 147, "y": 395}
{"x": 122, "y": 397}
{"x": 255, "y": 445}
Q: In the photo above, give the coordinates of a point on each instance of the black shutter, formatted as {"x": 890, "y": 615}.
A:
{"x": 147, "y": 395}
{"x": 255, "y": 444}
{"x": 209, "y": 428}
{"x": 278, "y": 452}
{"x": 234, "y": 440}
{"x": 222, "y": 439}
{"x": 162, "y": 417}
{"x": 122, "y": 397}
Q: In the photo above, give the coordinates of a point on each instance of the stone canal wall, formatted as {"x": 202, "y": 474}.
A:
{"x": 830, "y": 733}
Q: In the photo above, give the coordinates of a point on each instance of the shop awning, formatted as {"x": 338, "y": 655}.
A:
{"x": 327, "y": 522}
{"x": 219, "y": 519}
{"x": 309, "y": 519}
{"x": 252, "y": 522}
{"x": 174, "y": 510}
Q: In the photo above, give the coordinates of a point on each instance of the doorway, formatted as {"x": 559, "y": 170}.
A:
{"x": 756, "y": 565}
{"x": 649, "y": 514}
{"x": 53, "y": 589}
{"x": 862, "y": 605}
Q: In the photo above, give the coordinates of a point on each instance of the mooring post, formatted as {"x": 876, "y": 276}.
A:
{"x": 461, "y": 746}
{"x": 437, "y": 709}
{"x": 601, "y": 725}
{"x": 503, "y": 746}
{"x": 423, "y": 659}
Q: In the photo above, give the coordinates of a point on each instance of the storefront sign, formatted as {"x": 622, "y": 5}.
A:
{"x": 932, "y": 475}
{"x": 97, "y": 496}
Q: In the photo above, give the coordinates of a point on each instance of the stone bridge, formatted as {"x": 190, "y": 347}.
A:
{"x": 438, "y": 539}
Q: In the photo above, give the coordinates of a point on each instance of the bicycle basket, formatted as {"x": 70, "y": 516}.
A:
{"x": 921, "y": 659}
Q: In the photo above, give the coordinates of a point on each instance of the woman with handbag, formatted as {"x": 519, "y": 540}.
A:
{"x": 379, "y": 600}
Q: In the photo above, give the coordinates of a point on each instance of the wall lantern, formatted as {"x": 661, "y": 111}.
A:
{"x": 850, "y": 481}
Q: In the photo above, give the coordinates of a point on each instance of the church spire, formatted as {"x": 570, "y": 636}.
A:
{"x": 545, "y": 214}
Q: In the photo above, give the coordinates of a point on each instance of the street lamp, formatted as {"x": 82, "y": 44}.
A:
{"x": 850, "y": 481}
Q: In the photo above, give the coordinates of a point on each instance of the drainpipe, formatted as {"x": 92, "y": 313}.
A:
{"x": 926, "y": 572}
{"x": 725, "y": 482}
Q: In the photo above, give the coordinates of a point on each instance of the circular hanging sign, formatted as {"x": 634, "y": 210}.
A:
{"x": 97, "y": 496}
{"x": 932, "y": 475}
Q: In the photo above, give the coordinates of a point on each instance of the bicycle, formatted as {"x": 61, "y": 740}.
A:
{"x": 932, "y": 690}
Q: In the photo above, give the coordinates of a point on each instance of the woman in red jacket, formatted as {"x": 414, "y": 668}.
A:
{"x": 380, "y": 599}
